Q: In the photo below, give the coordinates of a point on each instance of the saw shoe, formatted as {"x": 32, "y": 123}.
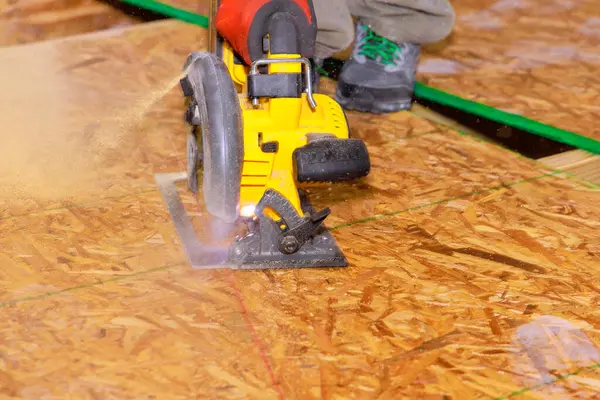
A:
{"x": 379, "y": 77}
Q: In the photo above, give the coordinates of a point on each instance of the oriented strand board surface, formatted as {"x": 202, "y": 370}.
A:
{"x": 457, "y": 247}
{"x": 538, "y": 59}
{"x": 26, "y": 21}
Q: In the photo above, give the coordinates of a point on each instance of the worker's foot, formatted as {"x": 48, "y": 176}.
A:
{"x": 379, "y": 77}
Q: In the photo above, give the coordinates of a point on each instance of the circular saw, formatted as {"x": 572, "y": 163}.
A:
{"x": 260, "y": 134}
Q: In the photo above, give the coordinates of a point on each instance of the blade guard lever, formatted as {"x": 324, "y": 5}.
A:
{"x": 295, "y": 230}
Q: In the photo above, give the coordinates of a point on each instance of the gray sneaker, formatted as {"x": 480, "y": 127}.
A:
{"x": 379, "y": 77}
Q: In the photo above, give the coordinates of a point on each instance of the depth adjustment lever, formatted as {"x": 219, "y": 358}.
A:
{"x": 297, "y": 229}
{"x": 291, "y": 239}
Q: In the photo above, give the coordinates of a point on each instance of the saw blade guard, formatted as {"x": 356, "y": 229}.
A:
{"x": 221, "y": 129}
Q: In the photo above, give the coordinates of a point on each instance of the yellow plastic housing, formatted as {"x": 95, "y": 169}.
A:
{"x": 286, "y": 121}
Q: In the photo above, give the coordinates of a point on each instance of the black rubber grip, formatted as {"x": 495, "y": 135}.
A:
{"x": 332, "y": 160}
{"x": 292, "y": 30}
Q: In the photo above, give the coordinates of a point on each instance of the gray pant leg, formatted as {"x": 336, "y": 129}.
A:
{"x": 412, "y": 21}
{"x": 335, "y": 27}
{"x": 406, "y": 21}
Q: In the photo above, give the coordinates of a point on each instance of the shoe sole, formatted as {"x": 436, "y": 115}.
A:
{"x": 371, "y": 106}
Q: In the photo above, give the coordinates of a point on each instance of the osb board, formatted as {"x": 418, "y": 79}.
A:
{"x": 454, "y": 245}
{"x": 23, "y": 21}
{"x": 538, "y": 60}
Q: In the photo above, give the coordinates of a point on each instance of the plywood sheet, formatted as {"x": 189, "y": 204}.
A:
{"x": 538, "y": 60}
{"x": 23, "y": 21}
{"x": 177, "y": 335}
{"x": 457, "y": 248}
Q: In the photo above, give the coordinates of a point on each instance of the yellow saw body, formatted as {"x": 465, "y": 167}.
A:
{"x": 286, "y": 121}
{"x": 259, "y": 150}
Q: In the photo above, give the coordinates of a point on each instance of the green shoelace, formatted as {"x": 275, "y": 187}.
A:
{"x": 377, "y": 47}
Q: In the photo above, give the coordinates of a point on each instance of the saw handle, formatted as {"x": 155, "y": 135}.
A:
{"x": 290, "y": 24}
{"x": 283, "y": 34}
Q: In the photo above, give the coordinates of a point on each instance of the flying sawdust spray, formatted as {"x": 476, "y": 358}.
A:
{"x": 59, "y": 141}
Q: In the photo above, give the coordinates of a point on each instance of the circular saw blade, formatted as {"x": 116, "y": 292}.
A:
{"x": 221, "y": 129}
{"x": 192, "y": 161}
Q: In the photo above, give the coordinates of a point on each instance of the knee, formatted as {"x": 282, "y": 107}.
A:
{"x": 445, "y": 26}
{"x": 337, "y": 37}
{"x": 433, "y": 24}
{"x": 426, "y": 29}
{"x": 420, "y": 26}
{"x": 335, "y": 26}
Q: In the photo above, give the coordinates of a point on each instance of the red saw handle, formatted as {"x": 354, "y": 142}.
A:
{"x": 244, "y": 23}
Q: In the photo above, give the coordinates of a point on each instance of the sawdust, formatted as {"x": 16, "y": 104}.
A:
{"x": 56, "y": 141}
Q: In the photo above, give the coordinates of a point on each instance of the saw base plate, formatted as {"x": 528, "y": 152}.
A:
{"x": 253, "y": 251}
